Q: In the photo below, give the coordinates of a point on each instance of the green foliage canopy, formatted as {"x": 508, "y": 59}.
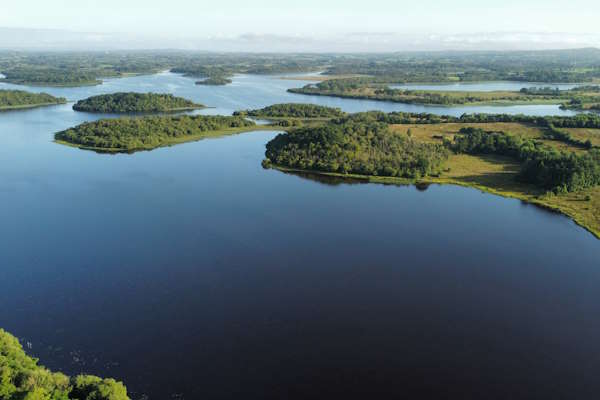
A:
{"x": 541, "y": 165}
{"x": 365, "y": 148}
{"x": 16, "y": 98}
{"x": 134, "y": 103}
{"x": 294, "y": 110}
{"x": 128, "y": 134}
{"x": 21, "y": 378}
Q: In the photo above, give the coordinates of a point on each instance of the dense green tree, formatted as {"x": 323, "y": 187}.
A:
{"x": 215, "y": 80}
{"x": 366, "y": 148}
{"x": 541, "y": 165}
{"x": 294, "y": 110}
{"x": 130, "y": 134}
{"x": 87, "y": 387}
{"x": 20, "y": 98}
{"x": 21, "y": 378}
{"x": 134, "y": 103}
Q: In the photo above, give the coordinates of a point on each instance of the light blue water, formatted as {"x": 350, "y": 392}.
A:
{"x": 253, "y": 91}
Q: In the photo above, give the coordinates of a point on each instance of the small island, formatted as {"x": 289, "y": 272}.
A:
{"x": 19, "y": 99}
{"x": 23, "y": 378}
{"x": 210, "y": 75}
{"x": 289, "y": 115}
{"x": 128, "y": 102}
{"x": 293, "y": 110}
{"x": 147, "y": 133}
{"x": 215, "y": 81}
{"x": 553, "y": 162}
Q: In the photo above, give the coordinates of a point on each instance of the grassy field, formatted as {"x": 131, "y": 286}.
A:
{"x": 584, "y": 134}
{"x": 434, "y": 133}
{"x": 497, "y": 175}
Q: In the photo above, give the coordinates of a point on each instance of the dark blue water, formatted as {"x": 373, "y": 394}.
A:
{"x": 191, "y": 272}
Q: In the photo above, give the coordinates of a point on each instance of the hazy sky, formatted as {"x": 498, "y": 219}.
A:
{"x": 318, "y": 19}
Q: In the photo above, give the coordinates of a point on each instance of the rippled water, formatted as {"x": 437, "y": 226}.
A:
{"x": 190, "y": 272}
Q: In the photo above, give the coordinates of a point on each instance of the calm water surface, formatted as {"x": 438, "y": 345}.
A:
{"x": 190, "y": 272}
{"x": 251, "y": 91}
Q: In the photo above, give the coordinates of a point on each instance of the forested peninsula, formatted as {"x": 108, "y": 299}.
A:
{"x": 21, "y": 378}
{"x": 49, "y": 77}
{"x": 580, "y": 98}
{"x": 17, "y": 99}
{"x": 550, "y": 161}
{"x": 135, "y": 103}
{"x": 147, "y": 133}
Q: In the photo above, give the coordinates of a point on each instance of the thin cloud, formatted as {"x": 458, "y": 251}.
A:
{"x": 48, "y": 39}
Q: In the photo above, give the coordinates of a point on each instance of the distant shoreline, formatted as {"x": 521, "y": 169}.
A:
{"x": 28, "y": 106}
{"x": 50, "y": 84}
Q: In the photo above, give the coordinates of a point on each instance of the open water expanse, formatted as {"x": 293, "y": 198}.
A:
{"x": 189, "y": 272}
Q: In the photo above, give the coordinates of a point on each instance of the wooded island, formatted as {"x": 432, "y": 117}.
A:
{"x": 135, "y": 103}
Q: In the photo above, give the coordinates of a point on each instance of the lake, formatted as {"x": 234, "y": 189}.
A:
{"x": 191, "y": 272}
{"x": 252, "y": 91}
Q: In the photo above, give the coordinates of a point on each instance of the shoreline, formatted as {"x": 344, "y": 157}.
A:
{"x": 144, "y": 113}
{"x": 175, "y": 141}
{"x": 530, "y": 199}
{"x": 498, "y": 103}
{"x": 52, "y": 85}
{"x": 29, "y": 106}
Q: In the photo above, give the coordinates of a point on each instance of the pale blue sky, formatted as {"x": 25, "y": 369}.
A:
{"x": 307, "y": 17}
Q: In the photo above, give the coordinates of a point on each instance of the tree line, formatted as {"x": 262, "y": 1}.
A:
{"x": 16, "y": 98}
{"x": 293, "y": 110}
{"x": 578, "y": 65}
{"x": 128, "y": 134}
{"x": 362, "y": 143}
{"x": 134, "y": 102}
{"x": 541, "y": 165}
{"x": 215, "y": 81}
{"x": 365, "y": 148}
{"x": 21, "y": 378}
{"x": 49, "y": 76}
{"x": 77, "y": 68}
